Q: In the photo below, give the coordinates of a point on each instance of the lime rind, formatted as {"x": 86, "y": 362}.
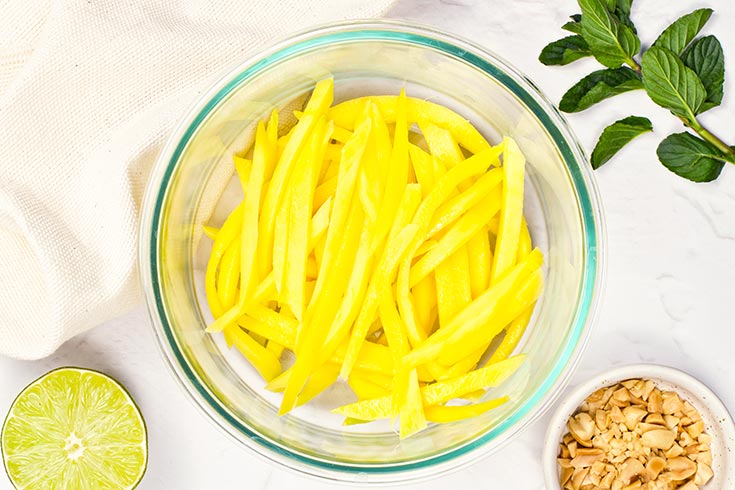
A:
{"x": 74, "y": 428}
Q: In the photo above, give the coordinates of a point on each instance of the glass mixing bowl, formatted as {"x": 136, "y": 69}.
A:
{"x": 192, "y": 185}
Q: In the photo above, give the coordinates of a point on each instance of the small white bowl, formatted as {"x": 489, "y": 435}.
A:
{"x": 718, "y": 421}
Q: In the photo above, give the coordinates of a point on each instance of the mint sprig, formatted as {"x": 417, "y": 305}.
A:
{"x": 680, "y": 72}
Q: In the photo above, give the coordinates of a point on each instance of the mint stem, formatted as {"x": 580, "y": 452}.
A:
{"x": 726, "y": 151}
{"x": 635, "y": 66}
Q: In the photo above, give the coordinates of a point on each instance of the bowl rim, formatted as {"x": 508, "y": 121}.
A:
{"x": 588, "y": 203}
{"x": 557, "y": 422}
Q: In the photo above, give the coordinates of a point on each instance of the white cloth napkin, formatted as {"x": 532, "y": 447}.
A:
{"x": 89, "y": 90}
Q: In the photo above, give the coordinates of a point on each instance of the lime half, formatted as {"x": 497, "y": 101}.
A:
{"x": 74, "y": 429}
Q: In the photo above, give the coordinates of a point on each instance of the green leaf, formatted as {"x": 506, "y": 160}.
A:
{"x": 671, "y": 84}
{"x": 574, "y": 24}
{"x": 598, "y": 86}
{"x": 624, "y": 6}
{"x": 610, "y": 5}
{"x": 690, "y": 157}
{"x": 680, "y": 33}
{"x": 611, "y": 42}
{"x": 705, "y": 57}
{"x": 564, "y": 51}
{"x": 616, "y": 136}
{"x": 622, "y": 13}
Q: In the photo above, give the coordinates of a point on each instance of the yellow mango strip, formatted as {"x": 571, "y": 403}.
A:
{"x": 270, "y": 324}
{"x": 320, "y": 222}
{"x": 258, "y": 338}
{"x": 524, "y": 241}
{"x": 309, "y": 289}
{"x": 346, "y": 113}
{"x": 321, "y": 98}
{"x": 443, "y": 414}
{"x": 322, "y": 378}
{"x": 440, "y": 392}
{"x": 487, "y": 377}
{"x": 341, "y": 134}
{"x": 424, "y": 294}
{"x": 464, "y": 366}
{"x": 506, "y": 247}
{"x": 353, "y": 296}
{"x": 396, "y": 246}
{"x": 375, "y": 166}
{"x": 271, "y": 133}
{"x": 396, "y": 169}
{"x": 330, "y": 168}
{"x": 276, "y": 348}
{"x": 225, "y": 237}
{"x": 229, "y": 275}
{"x": 456, "y": 236}
{"x": 412, "y": 409}
{"x": 513, "y": 334}
{"x": 302, "y": 192}
{"x": 372, "y": 357}
{"x": 492, "y": 230}
{"x": 453, "y": 290}
{"x": 441, "y": 144}
{"x": 385, "y": 381}
{"x": 459, "y": 345}
{"x": 324, "y": 191}
{"x": 229, "y": 335}
{"x": 332, "y": 153}
{"x": 425, "y": 247}
{"x": 341, "y": 203}
{"x": 486, "y": 189}
{"x": 252, "y": 188}
{"x": 340, "y": 250}
{"x": 210, "y": 231}
{"x": 364, "y": 388}
{"x": 280, "y": 242}
{"x": 278, "y": 384}
{"x": 393, "y": 327}
{"x": 478, "y": 249}
{"x": 264, "y": 291}
{"x": 262, "y": 360}
{"x": 312, "y": 268}
{"x": 422, "y": 168}
{"x": 475, "y": 314}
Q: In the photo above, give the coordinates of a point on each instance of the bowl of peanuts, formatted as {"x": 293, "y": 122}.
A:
{"x": 640, "y": 427}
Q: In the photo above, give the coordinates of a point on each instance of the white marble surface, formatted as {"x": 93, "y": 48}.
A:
{"x": 669, "y": 291}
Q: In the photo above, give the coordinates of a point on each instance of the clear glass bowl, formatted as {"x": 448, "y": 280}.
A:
{"x": 192, "y": 185}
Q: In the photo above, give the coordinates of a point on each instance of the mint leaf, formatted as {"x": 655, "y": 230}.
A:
{"x": 564, "y": 51}
{"x": 574, "y": 24}
{"x": 680, "y": 33}
{"x": 671, "y": 84}
{"x": 624, "y": 6}
{"x": 598, "y": 86}
{"x": 622, "y": 13}
{"x": 690, "y": 157}
{"x": 705, "y": 57}
{"x": 616, "y": 136}
{"x": 611, "y": 42}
